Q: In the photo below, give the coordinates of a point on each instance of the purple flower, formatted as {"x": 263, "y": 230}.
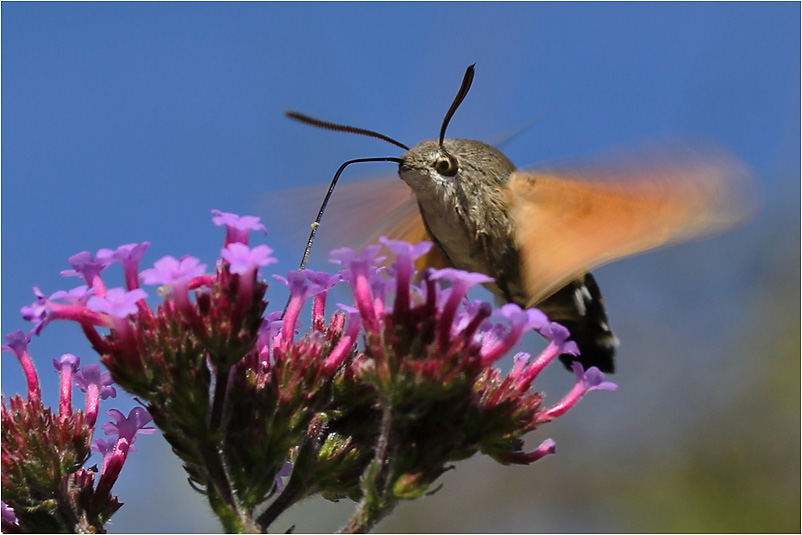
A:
{"x": 301, "y": 289}
{"x": 405, "y": 255}
{"x": 44, "y": 310}
{"x": 129, "y": 256}
{"x": 345, "y": 256}
{"x": 586, "y": 381}
{"x": 547, "y": 447}
{"x": 169, "y": 271}
{"x": 346, "y": 343}
{"x": 520, "y": 321}
{"x": 490, "y": 335}
{"x": 178, "y": 274}
{"x": 243, "y": 259}
{"x": 592, "y": 379}
{"x": 285, "y": 471}
{"x": 321, "y": 278}
{"x": 17, "y": 343}
{"x": 462, "y": 281}
{"x": 558, "y": 345}
{"x": 77, "y": 296}
{"x": 87, "y": 267}
{"x": 245, "y": 262}
{"x": 128, "y": 427}
{"x": 360, "y": 272}
{"x": 91, "y": 376}
{"x": 237, "y": 227}
{"x": 66, "y": 366}
{"x": 105, "y": 447}
{"x": 558, "y": 335}
{"x": 274, "y": 319}
{"x": 268, "y": 330}
{"x": 299, "y": 284}
{"x": 520, "y": 362}
{"x": 469, "y": 311}
{"x": 8, "y": 514}
{"x": 404, "y": 249}
{"x": 39, "y": 312}
{"x": 404, "y": 267}
{"x": 327, "y": 281}
{"x": 96, "y": 386}
{"x": 67, "y": 360}
{"x": 118, "y": 303}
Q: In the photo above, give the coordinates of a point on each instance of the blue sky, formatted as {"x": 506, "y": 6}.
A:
{"x": 131, "y": 121}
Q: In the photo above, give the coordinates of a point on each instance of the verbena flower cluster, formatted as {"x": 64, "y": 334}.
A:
{"x": 46, "y": 489}
{"x": 373, "y": 402}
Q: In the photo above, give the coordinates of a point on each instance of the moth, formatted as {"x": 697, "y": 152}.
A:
{"x": 540, "y": 232}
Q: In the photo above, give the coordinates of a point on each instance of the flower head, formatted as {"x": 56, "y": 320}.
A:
{"x": 105, "y": 447}
{"x": 118, "y": 302}
{"x": 169, "y": 271}
{"x": 44, "y": 310}
{"x": 586, "y": 381}
{"x": 436, "y": 353}
{"x": 88, "y": 267}
{"x": 91, "y": 377}
{"x": 242, "y": 259}
{"x": 39, "y": 312}
{"x": 127, "y": 427}
{"x": 520, "y": 321}
{"x": 77, "y": 296}
{"x": 237, "y": 227}
{"x": 129, "y": 256}
{"x": 42, "y": 460}
{"x": 17, "y": 343}
{"x": 301, "y": 288}
{"x": 66, "y": 366}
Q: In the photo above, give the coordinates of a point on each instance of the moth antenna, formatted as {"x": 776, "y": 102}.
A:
{"x": 467, "y": 80}
{"x": 342, "y": 128}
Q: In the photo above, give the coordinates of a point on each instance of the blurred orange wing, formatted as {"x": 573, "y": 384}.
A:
{"x": 571, "y": 221}
{"x": 389, "y": 209}
{"x": 358, "y": 213}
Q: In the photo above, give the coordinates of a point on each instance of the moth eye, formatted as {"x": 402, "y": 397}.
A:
{"x": 446, "y": 165}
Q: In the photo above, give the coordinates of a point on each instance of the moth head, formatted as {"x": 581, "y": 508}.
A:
{"x": 454, "y": 164}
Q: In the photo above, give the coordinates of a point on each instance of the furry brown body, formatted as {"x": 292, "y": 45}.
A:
{"x": 467, "y": 216}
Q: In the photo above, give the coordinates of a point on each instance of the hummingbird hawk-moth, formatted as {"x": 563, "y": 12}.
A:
{"x": 539, "y": 232}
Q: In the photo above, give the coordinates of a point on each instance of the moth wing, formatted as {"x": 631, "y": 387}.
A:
{"x": 573, "y": 220}
{"x": 358, "y": 214}
{"x": 393, "y": 213}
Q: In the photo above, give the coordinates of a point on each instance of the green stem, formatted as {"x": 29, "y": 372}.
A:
{"x": 298, "y": 485}
{"x": 293, "y": 492}
{"x": 221, "y": 495}
{"x": 378, "y": 500}
{"x": 218, "y": 400}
